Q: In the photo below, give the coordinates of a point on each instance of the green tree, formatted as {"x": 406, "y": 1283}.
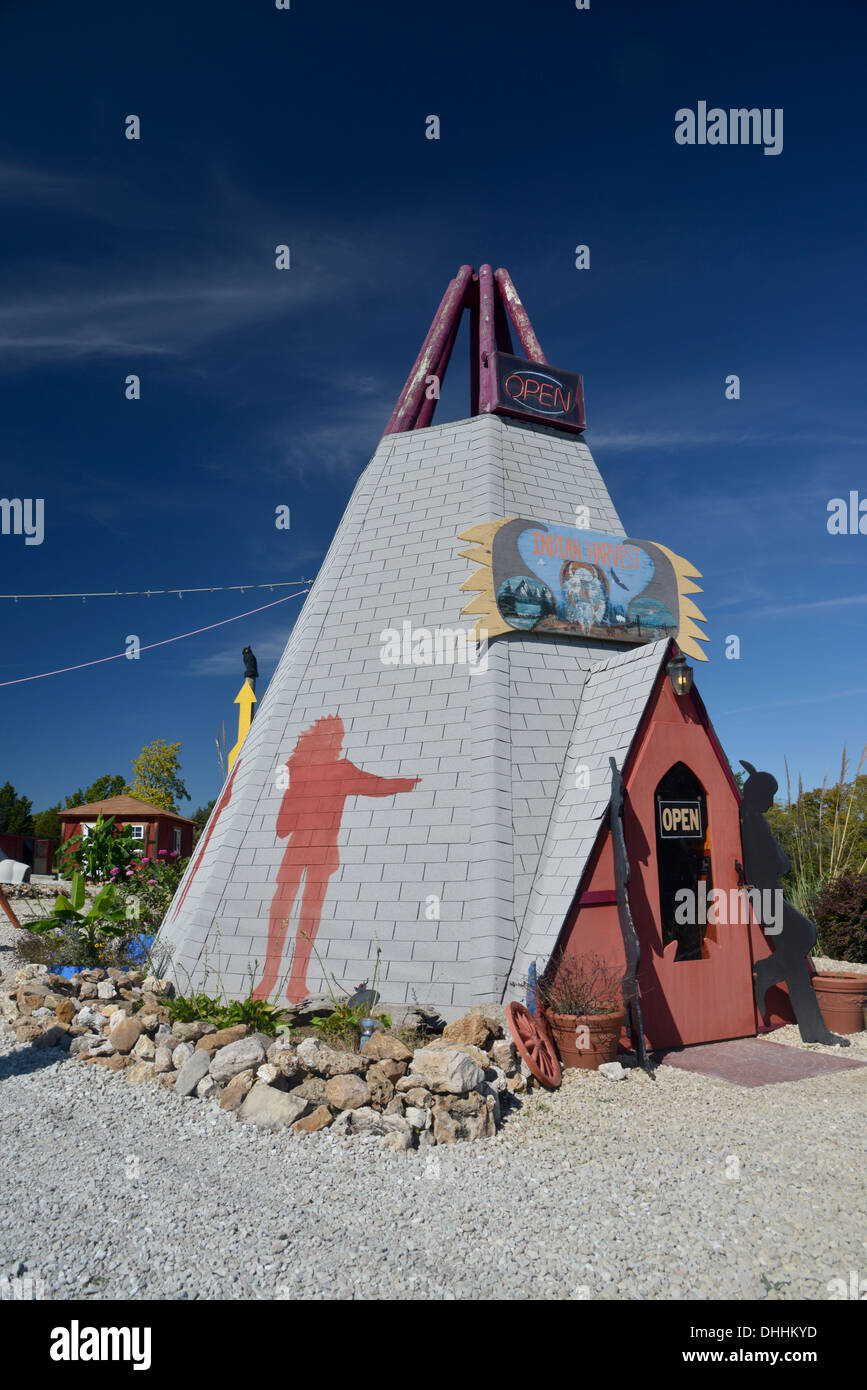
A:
{"x": 157, "y": 775}
{"x": 200, "y": 818}
{"x": 47, "y": 824}
{"x": 15, "y": 812}
{"x": 104, "y": 787}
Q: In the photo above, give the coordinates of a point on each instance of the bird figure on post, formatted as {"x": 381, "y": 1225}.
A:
{"x": 251, "y": 669}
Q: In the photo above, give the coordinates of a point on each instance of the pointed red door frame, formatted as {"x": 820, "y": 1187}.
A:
{"x": 779, "y": 1008}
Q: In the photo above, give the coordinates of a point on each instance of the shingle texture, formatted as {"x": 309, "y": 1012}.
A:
{"x": 441, "y": 876}
{"x": 615, "y": 693}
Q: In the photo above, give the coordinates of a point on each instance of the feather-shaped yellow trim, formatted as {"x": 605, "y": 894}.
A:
{"x": 491, "y": 622}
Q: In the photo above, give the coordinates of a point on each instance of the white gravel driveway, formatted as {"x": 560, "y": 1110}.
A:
{"x": 681, "y": 1188}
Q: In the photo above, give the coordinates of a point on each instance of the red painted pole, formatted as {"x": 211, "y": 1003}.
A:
{"x": 473, "y": 297}
{"x": 422, "y": 350}
{"x": 520, "y": 318}
{"x": 501, "y": 326}
{"x": 405, "y": 414}
{"x": 487, "y": 341}
{"x": 429, "y": 404}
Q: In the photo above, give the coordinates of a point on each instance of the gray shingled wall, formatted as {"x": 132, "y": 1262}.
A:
{"x": 489, "y": 746}
{"x": 615, "y": 693}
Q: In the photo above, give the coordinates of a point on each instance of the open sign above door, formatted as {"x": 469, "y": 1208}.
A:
{"x": 680, "y": 820}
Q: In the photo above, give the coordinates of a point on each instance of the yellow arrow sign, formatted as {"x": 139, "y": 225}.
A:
{"x": 246, "y": 699}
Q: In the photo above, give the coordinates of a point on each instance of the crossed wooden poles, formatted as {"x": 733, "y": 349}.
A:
{"x": 492, "y": 301}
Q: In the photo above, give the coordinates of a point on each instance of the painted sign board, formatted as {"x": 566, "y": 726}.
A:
{"x": 679, "y": 820}
{"x": 546, "y": 577}
{"x": 534, "y": 391}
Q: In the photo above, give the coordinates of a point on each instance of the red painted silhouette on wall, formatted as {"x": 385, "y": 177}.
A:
{"x": 200, "y": 854}
{"x": 319, "y": 783}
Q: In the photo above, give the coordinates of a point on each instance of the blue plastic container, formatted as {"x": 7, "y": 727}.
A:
{"x": 136, "y": 955}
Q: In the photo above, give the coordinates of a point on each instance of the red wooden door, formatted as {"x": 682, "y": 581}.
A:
{"x": 686, "y": 1001}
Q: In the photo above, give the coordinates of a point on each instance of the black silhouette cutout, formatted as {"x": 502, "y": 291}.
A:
{"x": 629, "y": 983}
{"x": 251, "y": 669}
{"x": 764, "y": 862}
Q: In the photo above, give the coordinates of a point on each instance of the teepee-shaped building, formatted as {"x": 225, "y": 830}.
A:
{"x": 428, "y": 770}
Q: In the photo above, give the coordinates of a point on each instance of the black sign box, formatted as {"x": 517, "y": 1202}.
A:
{"x": 532, "y": 391}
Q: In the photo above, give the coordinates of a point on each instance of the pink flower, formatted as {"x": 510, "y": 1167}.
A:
{"x": 146, "y": 861}
{"x": 162, "y": 851}
{"x": 129, "y": 873}
{"x": 115, "y": 871}
{"x": 174, "y": 854}
{"x": 151, "y": 880}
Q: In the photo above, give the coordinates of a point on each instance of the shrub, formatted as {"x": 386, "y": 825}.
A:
{"x": 258, "y": 1014}
{"x": 823, "y": 832}
{"x": 841, "y": 918}
{"x": 94, "y": 855}
{"x": 147, "y": 886}
{"x": 85, "y": 935}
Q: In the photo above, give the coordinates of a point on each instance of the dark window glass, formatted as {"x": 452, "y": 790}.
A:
{"x": 683, "y": 859}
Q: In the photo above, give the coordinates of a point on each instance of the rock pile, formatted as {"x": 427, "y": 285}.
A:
{"x": 455, "y": 1087}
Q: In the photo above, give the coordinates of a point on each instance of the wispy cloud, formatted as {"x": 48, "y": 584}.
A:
{"x": 627, "y": 440}
{"x": 785, "y": 704}
{"x": 167, "y": 317}
{"x": 138, "y": 302}
{"x": 22, "y": 185}
{"x": 814, "y": 606}
{"x": 227, "y": 661}
{"x": 335, "y": 447}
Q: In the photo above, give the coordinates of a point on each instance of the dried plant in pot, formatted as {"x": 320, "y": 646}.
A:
{"x": 582, "y": 1000}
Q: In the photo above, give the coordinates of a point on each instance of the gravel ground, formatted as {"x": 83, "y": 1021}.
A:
{"x": 791, "y": 1037}
{"x": 681, "y": 1188}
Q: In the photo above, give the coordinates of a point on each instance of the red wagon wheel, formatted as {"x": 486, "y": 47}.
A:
{"x": 535, "y": 1046}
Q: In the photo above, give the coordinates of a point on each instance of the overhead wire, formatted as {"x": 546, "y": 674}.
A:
{"x": 117, "y": 656}
{"x": 149, "y": 593}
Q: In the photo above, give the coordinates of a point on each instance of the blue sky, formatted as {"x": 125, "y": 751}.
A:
{"x": 262, "y": 388}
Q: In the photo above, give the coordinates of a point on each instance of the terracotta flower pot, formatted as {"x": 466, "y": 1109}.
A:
{"x": 586, "y": 1040}
{"x": 841, "y": 1000}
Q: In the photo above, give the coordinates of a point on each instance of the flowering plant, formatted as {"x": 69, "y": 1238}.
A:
{"x": 85, "y": 934}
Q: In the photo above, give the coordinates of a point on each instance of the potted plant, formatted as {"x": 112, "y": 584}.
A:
{"x": 582, "y": 1001}
{"x": 840, "y": 913}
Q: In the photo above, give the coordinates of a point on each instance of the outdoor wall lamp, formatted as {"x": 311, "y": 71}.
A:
{"x": 680, "y": 675}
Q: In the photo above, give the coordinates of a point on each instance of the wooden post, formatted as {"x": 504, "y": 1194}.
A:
{"x": 473, "y": 296}
{"x": 487, "y": 341}
{"x": 406, "y": 412}
{"x": 520, "y": 318}
{"x": 429, "y": 405}
{"x": 501, "y": 326}
{"x": 7, "y": 908}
